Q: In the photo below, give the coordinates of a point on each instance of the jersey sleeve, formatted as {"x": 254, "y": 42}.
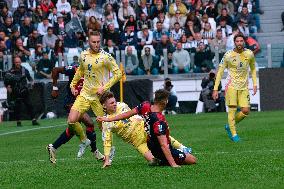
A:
{"x": 222, "y": 66}
{"x": 160, "y": 128}
{"x": 113, "y": 67}
{"x": 143, "y": 108}
{"x": 79, "y": 73}
{"x": 253, "y": 69}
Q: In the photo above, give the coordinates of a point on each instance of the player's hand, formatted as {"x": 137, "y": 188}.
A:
{"x": 175, "y": 166}
{"x": 254, "y": 90}
{"x": 215, "y": 95}
{"x": 100, "y": 90}
{"x": 106, "y": 164}
{"x": 54, "y": 93}
{"x": 74, "y": 91}
{"x": 101, "y": 119}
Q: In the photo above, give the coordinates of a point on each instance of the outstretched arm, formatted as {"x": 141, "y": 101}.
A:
{"x": 125, "y": 115}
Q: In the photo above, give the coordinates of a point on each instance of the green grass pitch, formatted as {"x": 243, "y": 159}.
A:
{"x": 256, "y": 162}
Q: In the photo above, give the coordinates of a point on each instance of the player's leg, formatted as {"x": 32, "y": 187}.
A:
{"x": 80, "y": 106}
{"x": 91, "y": 135}
{"x": 244, "y": 103}
{"x": 231, "y": 101}
{"x": 177, "y": 145}
{"x": 182, "y": 158}
{"x": 98, "y": 110}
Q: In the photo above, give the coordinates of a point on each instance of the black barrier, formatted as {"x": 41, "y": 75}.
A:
{"x": 135, "y": 92}
{"x": 271, "y": 83}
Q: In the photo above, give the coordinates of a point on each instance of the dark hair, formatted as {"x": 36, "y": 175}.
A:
{"x": 239, "y": 35}
{"x": 107, "y": 95}
{"x": 161, "y": 95}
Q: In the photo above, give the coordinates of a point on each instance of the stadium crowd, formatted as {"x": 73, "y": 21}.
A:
{"x": 194, "y": 32}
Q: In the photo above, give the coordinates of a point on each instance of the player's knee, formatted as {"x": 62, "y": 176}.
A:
{"x": 245, "y": 111}
{"x": 191, "y": 159}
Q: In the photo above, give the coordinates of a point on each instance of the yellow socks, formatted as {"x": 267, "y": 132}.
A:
{"x": 231, "y": 120}
{"x": 77, "y": 129}
{"x": 176, "y": 144}
{"x": 240, "y": 116}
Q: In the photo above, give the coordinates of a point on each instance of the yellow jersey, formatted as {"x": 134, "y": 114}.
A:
{"x": 238, "y": 65}
{"x": 127, "y": 129}
{"x": 98, "y": 69}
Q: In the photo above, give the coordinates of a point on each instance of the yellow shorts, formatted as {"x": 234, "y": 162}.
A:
{"x": 139, "y": 137}
{"x": 82, "y": 105}
{"x": 239, "y": 98}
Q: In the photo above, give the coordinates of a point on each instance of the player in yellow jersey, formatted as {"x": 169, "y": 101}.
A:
{"x": 237, "y": 62}
{"x": 130, "y": 130}
{"x": 95, "y": 66}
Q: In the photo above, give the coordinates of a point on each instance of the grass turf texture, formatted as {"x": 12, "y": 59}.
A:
{"x": 255, "y": 162}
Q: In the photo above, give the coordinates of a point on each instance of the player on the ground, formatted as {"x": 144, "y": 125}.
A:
{"x": 95, "y": 66}
{"x": 156, "y": 127}
{"x": 237, "y": 61}
{"x": 130, "y": 130}
{"x": 68, "y": 102}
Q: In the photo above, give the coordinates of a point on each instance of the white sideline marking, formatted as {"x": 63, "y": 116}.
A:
{"x": 25, "y": 130}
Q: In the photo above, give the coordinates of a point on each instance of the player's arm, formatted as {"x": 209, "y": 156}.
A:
{"x": 166, "y": 150}
{"x": 223, "y": 64}
{"x": 113, "y": 67}
{"x": 55, "y": 75}
{"x": 125, "y": 115}
{"x": 79, "y": 73}
{"x": 253, "y": 73}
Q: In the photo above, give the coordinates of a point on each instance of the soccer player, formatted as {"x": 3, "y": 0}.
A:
{"x": 157, "y": 129}
{"x": 95, "y": 66}
{"x": 130, "y": 130}
{"x": 237, "y": 61}
{"x": 68, "y": 102}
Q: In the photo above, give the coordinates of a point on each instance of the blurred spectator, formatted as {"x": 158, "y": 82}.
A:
{"x": 15, "y": 35}
{"x": 31, "y": 4}
{"x": 43, "y": 26}
{"x": 226, "y": 29}
{"x": 132, "y": 63}
{"x": 79, "y": 4}
{"x": 227, "y": 5}
{"x": 59, "y": 26}
{"x": 110, "y": 48}
{"x": 170, "y": 64}
{"x": 158, "y": 8}
{"x": 205, "y": 19}
{"x": 113, "y": 35}
{"x": 177, "y": 18}
{"x": 196, "y": 22}
{"x": 93, "y": 11}
{"x": 245, "y": 19}
{"x": 198, "y": 39}
{"x": 202, "y": 59}
{"x": 164, "y": 44}
{"x": 8, "y": 25}
{"x": 46, "y": 7}
{"x": 73, "y": 14}
{"x": 172, "y": 99}
{"x": 181, "y": 60}
{"x": 52, "y": 17}
{"x": 6, "y": 39}
{"x": 282, "y": 18}
{"x": 143, "y": 8}
{"x": 48, "y": 40}
{"x": 224, "y": 15}
{"x": 207, "y": 32}
{"x": 110, "y": 16}
{"x": 178, "y": 5}
{"x": 143, "y": 21}
{"x": 210, "y": 9}
{"x": 58, "y": 47}
{"x": 34, "y": 39}
{"x": 19, "y": 14}
{"x": 26, "y": 27}
{"x": 128, "y": 38}
{"x": 63, "y": 7}
{"x": 176, "y": 33}
{"x": 243, "y": 27}
{"x": 94, "y": 24}
{"x": 219, "y": 44}
{"x": 37, "y": 16}
{"x": 149, "y": 63}
{"x": 44, "y": 67}
{"x": 163, "y": 19}
{"x": 131, "y": 22}
{"x": 189, "y": 30}
{"x": 21, "y": 51}
{"x": 157, "y": 34}
{"x": 145, "y": 37}
{"x": 4, "y": 13}
{"x": 230, "y": 45}
{"x": 124, "y": 12}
